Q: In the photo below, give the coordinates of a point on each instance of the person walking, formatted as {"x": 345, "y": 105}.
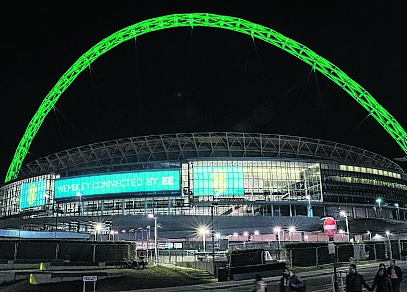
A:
{"x": 395, "y": 275}
{"x": 382, "y": 280}
{"x": 260, "y": 285}
{"x": 355, "y": 281}
{"x": 290, "y": 282}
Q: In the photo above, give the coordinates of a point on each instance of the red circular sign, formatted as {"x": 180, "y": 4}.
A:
{"x": 330, "y": 226}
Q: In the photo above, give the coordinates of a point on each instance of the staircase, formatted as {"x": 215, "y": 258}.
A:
{"x": 193, "y": 273}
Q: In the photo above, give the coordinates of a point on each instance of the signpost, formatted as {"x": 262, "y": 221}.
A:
{"x": 90, "y": 279}
{"x": 329, "y": 226}
{"x": 330, "y": 230}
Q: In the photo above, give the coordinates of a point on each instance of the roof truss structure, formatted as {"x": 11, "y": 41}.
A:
{"x": 209, "y": 145}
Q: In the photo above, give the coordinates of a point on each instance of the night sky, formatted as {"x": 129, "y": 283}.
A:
{"x": 203, "y": 79}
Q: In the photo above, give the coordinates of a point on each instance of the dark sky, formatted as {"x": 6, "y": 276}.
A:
{"x": 201, "y": 79}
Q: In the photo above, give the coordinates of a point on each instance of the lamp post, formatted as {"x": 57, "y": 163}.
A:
{"x": 155, "y": 237}
{"x": 203, "y": 230}
{"x": 341, "y": 232}
{"x": 343, "y": 213}
{"x": 309, "y": 208}
{"x": 142, "y": 237}
{"x": 379, "y": 201}
{"x": 245, "y": 238}
{"x": 124, "y": 234}
{"x": 214, "y": 204}
{"x": 397, "y": 211}
{"x": 148, "y": 239}
{"x": 389, "y": 243}
{"x": 291, "y": 229}
{"x": 277, "y": 230}
{"x": 98, "y": 227}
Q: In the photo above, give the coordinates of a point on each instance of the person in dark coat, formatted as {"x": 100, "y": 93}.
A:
{"x": 290, "y": 282}
{"x": 395, "y": 275}
{"x": 355, "y": 281}
{"x": 382, "y": 280}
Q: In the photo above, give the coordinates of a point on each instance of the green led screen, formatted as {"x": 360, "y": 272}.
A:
{"x": 131, "y": 182}
{"x": 33, "y": 194}
{"x": 218, "y": 180}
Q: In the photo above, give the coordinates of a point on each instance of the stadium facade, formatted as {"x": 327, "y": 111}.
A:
{"x": 245, "y": 181}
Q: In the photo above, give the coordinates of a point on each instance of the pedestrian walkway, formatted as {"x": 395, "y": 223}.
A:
{"x": 238, "y": 285}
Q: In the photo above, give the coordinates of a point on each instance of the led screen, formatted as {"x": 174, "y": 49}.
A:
{"x": 131, "y": 182}
{"x": 275, "y": 180}
{"x": 33, "y": 194}
{"x": 218, "y": 180}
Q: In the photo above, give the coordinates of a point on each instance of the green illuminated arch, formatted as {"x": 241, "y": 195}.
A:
{"x": 208, "y": 20}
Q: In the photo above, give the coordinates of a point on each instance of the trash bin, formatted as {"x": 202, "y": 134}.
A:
{"x": 222, "y": 274}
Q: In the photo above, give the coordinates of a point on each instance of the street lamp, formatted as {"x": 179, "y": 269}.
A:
{"x": 379, "y": 201}
{"x": 214, "y": 204}
{"x": 389, "y": 243}
{"x": 343, "y": 213}
{"x": 155, "y": 237}
{"x": 246, "y": 235}
{"x": 309, "y": 208}
{"x": 203, "y": 230}
{"x": 341, "y": 232}
{"x": 397, "y": 211}
{"x": 124, "y": 236}
{"x": 142, "y": 237}
{"x": 291, "y": 229}
{"x": 256, "y": 236}
{"x": 98, "y": 227}
{"x": 277, "y": 230}
{"x": 148, "y": 238}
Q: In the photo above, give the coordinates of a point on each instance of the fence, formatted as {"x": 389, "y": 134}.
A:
{"x": 33, "y": 251}
{"x": 319, "y": 254}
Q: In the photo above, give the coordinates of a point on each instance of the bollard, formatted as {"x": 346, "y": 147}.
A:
{"x": 44, "y": 266}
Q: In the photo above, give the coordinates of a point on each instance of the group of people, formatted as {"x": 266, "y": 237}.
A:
{"x": 385, "y": 280}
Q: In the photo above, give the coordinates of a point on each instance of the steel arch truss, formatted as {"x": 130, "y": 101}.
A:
{"x": 137, "y": 152}
{"x": 207, "y": 20}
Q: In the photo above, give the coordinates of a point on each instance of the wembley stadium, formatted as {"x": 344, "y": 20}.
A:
{"x": 241, "y": 185}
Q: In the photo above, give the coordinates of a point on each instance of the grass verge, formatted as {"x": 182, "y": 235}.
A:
{"x": 152, "y": 277}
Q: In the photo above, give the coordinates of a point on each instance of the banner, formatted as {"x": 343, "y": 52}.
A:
{"x": 131, "y": 182}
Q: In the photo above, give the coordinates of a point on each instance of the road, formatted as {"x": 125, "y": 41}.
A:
{"x": 317, "y": 281}
{"x": 320, "y": 283}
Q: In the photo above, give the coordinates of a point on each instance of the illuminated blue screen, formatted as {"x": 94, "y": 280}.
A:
{"x": 218, "y": 180}
{"x": 33, "y": 194}
{"x": 131, "y": 182}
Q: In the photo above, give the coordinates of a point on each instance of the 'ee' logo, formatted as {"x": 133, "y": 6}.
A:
{"x": 32, "y": 193}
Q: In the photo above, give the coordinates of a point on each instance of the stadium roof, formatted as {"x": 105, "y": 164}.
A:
{"x": 209, "y": 145}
